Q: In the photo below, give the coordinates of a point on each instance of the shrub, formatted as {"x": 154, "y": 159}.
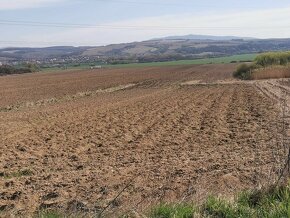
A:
{"x": 244, "y": 71}
{"x": 8, "y": 70}
{"x": 31, "y": 67}
{"x": 26, "y": 68}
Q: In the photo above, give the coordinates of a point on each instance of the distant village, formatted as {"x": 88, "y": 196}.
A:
{"x": 91, "y": 62}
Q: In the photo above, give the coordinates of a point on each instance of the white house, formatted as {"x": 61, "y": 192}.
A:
{"x": 96, "y": 67}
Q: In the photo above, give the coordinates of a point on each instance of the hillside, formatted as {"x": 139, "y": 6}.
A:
{"x": 165, "y": 49}
{"x": 207, "y": 37}
{"x": 187, "y": 48}
{"x": 41, "y": 53}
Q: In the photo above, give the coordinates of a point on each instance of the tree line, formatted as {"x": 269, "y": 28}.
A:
{"x": 273, "y": 58}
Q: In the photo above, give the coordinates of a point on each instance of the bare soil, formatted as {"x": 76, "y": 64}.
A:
{"x": 154, "y": 136}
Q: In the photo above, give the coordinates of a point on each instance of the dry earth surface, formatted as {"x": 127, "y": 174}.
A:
{"x": 77, "y": 140}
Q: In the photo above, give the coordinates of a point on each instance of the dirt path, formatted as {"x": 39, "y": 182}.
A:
{"x": 276, "y": 89}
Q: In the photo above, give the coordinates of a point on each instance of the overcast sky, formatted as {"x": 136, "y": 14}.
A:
{"x": 99, "y": 22}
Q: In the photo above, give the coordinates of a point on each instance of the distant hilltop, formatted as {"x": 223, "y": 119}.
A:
{"x": 205, "y": 37}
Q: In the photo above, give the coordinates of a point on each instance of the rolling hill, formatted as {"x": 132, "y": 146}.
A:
{"x": 163, "y": 49}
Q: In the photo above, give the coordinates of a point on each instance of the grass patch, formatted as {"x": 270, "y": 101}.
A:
{"x": 218, "y": 60}
{"x": 18, "y": 174}
{"x": 168, "y": 211}
{"x": 50, "y": 214}
{"x": 270, "y": 203}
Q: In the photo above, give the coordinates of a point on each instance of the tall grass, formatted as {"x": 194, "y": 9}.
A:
{"x": 273, "y": 72}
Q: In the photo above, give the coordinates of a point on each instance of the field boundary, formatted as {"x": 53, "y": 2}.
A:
{"x": 66, "y": 98}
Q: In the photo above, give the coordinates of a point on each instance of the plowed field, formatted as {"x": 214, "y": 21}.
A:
{"x": 124, "y": 139}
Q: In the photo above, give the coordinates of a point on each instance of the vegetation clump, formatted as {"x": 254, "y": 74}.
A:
{"x": 244, "y": 71}
{"x": 273, "y": 58}
{"x": 9, "y": 70}
{"x": 277, "y": 61}
{"x": 168, "y": 211}
{"x": 18, "y": 174}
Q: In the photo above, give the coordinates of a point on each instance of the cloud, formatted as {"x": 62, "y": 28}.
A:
{"x": 257, "y": 23}
{"x": 24, "y": 4}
